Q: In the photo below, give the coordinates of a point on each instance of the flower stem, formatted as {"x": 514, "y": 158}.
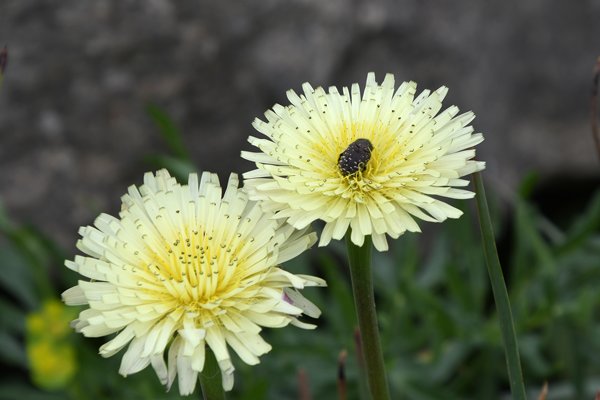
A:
{"x": 501, "y": 299}
{"x": 364, "y": 301}
{"x": 210, "y": 378}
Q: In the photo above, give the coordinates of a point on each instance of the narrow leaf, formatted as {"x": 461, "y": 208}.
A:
{"x": 501, "y": 299}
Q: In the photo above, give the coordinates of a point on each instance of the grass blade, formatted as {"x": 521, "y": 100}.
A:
{"x": 501, "y": 299}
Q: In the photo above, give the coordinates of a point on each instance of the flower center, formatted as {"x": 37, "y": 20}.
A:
{"x": 355, "y": 157}
{"x": 197, "y": 269}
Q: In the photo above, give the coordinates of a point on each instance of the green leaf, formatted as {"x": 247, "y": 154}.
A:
{"x": 179, "y": 168}
{"x": 255, "y": 389}
{"x": 168, "y": 131}
{"x": 18, "y": 390}
{"x": 585, "y": 226}
{"x": 434, "y": 267}
{"x": 12, "y": 319}
{"x": 16, "y": 277}
{"x": 528, "y": 185}
{"x": 12, "y": 351}
{"x": 532, "y": 355}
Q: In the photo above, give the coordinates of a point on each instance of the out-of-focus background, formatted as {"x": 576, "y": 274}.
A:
{"x": 74, "y": 130}
{"x": 94, "y": 93}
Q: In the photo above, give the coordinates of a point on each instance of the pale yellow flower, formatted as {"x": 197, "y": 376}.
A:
{"x": 372, "y": 162}
{"x": 184, "y": 268}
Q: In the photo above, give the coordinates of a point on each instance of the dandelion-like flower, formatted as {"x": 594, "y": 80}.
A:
{"x": 184, "y": 268}
{"x": 371, "y": 163}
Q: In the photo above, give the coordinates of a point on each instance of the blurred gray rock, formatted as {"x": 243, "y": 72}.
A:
{"x": 74, "y": 133}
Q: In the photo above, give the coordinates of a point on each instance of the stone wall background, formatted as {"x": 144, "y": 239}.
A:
{"x": 73, "y": 126}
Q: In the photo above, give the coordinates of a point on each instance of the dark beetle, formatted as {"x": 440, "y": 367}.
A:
{"x": 355, "y": 157}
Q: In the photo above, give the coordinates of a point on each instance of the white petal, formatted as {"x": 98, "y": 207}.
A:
{"x": 380, "y": 242}
{"x": 300, "y": 301}
{"x": 132, "y": 360}
{"x": 227, "y": 379}
{"x": 186, "y": 376}
{"x": 160, "y": 367}
{"x": 74, "y": 296}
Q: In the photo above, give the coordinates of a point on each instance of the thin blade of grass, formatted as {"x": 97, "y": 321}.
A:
{"x": 501, "y": 299}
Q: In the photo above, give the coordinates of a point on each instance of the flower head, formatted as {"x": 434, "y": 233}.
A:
{"x": 371, "y": 163}
{"x": 184, "y": 268}
{"x": 51, "y": 355}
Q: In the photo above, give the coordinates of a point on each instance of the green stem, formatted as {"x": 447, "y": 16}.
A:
{"x": 210, "y": 378}
{"x": 364, "y": 301}
{"x": 501, "y": 299}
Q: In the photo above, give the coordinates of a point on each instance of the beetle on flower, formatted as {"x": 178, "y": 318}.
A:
{"x": 371, "y": 163}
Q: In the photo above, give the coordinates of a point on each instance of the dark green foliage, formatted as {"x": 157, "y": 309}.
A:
{"x": 438, "y": 322}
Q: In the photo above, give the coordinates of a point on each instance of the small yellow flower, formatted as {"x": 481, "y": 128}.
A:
{"x": 372, "y": 162}
{"x": 51, "y": 356}
{"x": 51, "y": 321}
{"x": 185, "y": 268}
{"x": 52, "y": 364}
